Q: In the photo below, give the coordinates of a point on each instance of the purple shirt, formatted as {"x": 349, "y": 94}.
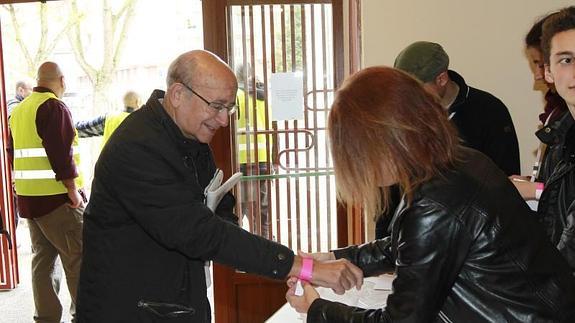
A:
{"x": 56, "y": 129}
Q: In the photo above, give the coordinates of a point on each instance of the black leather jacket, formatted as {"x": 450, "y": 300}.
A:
{"x": 465, "y": 250}
{"x": 553, "y": 136}
{"x": 556, "y": 207}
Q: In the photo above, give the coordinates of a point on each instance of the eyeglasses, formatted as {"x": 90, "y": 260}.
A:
{"x": 230, "y": 109}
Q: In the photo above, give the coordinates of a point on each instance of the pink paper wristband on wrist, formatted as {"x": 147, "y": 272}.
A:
{"x": 539, "y": 187}
{"x": 306, "y": 269}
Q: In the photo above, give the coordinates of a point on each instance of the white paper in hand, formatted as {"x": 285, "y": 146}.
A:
{"x": 215, "y": 190}
{"x": 213, "y": 194}
{"x": 298, "y": 288}
{"x": 208, "y": 273}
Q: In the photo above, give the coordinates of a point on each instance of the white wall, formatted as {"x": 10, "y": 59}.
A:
{"x": 484, "y": 40}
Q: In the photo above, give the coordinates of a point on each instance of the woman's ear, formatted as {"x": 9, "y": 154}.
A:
{"x": 548, "y": 75}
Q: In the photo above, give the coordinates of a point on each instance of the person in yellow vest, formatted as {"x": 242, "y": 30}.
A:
{"x": 252, "y": 144}
{"x": 43, "y": 145}
{"x": 131, "y": 103}
{"x": 106, "y": 125}
{"x": 23, "y": 89}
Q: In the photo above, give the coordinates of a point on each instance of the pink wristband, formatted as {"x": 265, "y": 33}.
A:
{"x": 306, "y": 269}
{"x": 539, "y": 190}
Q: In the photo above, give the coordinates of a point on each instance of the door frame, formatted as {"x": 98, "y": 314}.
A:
{"x": 350, "y": 223}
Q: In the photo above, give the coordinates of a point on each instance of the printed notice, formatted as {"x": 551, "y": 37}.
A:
{"x": 287, "y": 96}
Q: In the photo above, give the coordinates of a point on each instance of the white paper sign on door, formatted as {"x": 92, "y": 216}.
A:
{"x": 286, "y": 96}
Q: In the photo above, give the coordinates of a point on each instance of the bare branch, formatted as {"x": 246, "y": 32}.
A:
{"x": 41, "y": 54}
{"x": 128, "y": 5}
{"x": 130, "y": 8}
{"x": 20, "y": 41}
{"x": 109, "y": 26}
{"x": 74, "y": 36}
{"x": 72, "y": 21}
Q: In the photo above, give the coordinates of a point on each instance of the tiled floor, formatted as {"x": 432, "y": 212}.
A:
{"x": 17, "y": 306}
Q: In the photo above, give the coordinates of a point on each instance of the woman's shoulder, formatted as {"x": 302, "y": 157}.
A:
{"x": 462, "y": 185}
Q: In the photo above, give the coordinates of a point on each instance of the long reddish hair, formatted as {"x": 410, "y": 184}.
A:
{"x": 384, "y": 124}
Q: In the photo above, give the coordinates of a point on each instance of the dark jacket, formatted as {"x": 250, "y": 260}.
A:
{"x": 147, "y": 232}
{"x": 465, "y": 250}
{"x": 556, "y": 207}
{"x": 553, "y": 136}
{"x": 484, "y": 124}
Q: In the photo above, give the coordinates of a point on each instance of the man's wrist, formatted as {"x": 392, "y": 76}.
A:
{"x": 70, "y": 185}
{"x": 296, "y": 266}
{"x": 306, "y": 270}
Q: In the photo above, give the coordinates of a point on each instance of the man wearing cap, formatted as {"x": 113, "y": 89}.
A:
{"x": 482, "y": 119}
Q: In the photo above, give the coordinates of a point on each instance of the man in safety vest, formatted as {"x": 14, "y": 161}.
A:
{"x": 43, "y": 144}
{"x": 252, "y": 150}
{"x": 106, "y": 125}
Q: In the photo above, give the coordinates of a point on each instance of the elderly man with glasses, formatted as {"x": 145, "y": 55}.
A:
{"x": 156, "y": 215}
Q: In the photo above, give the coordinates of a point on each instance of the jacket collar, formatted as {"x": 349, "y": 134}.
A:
{"x": 554, "y": 132}
{"x": 463, "y": 91}
{"x": 42, "y": 89}
{"x": 185, "y": 145}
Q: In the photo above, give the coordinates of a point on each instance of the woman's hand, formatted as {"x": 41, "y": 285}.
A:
{"x": 301, "y": 303}
{"x": 339, "y": 275}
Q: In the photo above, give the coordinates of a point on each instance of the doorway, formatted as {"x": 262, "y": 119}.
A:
{"x": 287, "y": 192}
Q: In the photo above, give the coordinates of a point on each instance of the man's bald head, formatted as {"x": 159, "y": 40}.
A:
{"x": 50, "y": 76}
{"x": 200, "y": 68}
{"x": 49, "y": 71}
{"x": 196, "y": 80}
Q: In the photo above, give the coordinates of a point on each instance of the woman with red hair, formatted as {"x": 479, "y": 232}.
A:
{"x": 462, "y": 243}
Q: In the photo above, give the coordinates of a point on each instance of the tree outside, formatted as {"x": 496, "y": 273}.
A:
{"x": 105, "y": 48}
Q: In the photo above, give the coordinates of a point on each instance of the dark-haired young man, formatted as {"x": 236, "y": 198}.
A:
{"x": 556, "y": 205}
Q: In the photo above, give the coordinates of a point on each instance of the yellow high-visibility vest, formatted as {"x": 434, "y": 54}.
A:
{"x": 113, "y": 121}
{"x": 246, "y": 138}
{"x": 33, "y": 174}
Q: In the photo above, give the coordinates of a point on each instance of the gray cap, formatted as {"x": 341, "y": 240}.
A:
{"x": 424, "y": 60}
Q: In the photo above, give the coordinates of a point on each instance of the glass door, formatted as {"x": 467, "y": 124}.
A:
{"x": 288, "y": 58}
{"x": 288, "y": 190}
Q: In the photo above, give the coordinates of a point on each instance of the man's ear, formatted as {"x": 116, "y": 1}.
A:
{"x": 175, "y": 92}
{"x": 441, "y": 79}
{"x": 548, "y": 75}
